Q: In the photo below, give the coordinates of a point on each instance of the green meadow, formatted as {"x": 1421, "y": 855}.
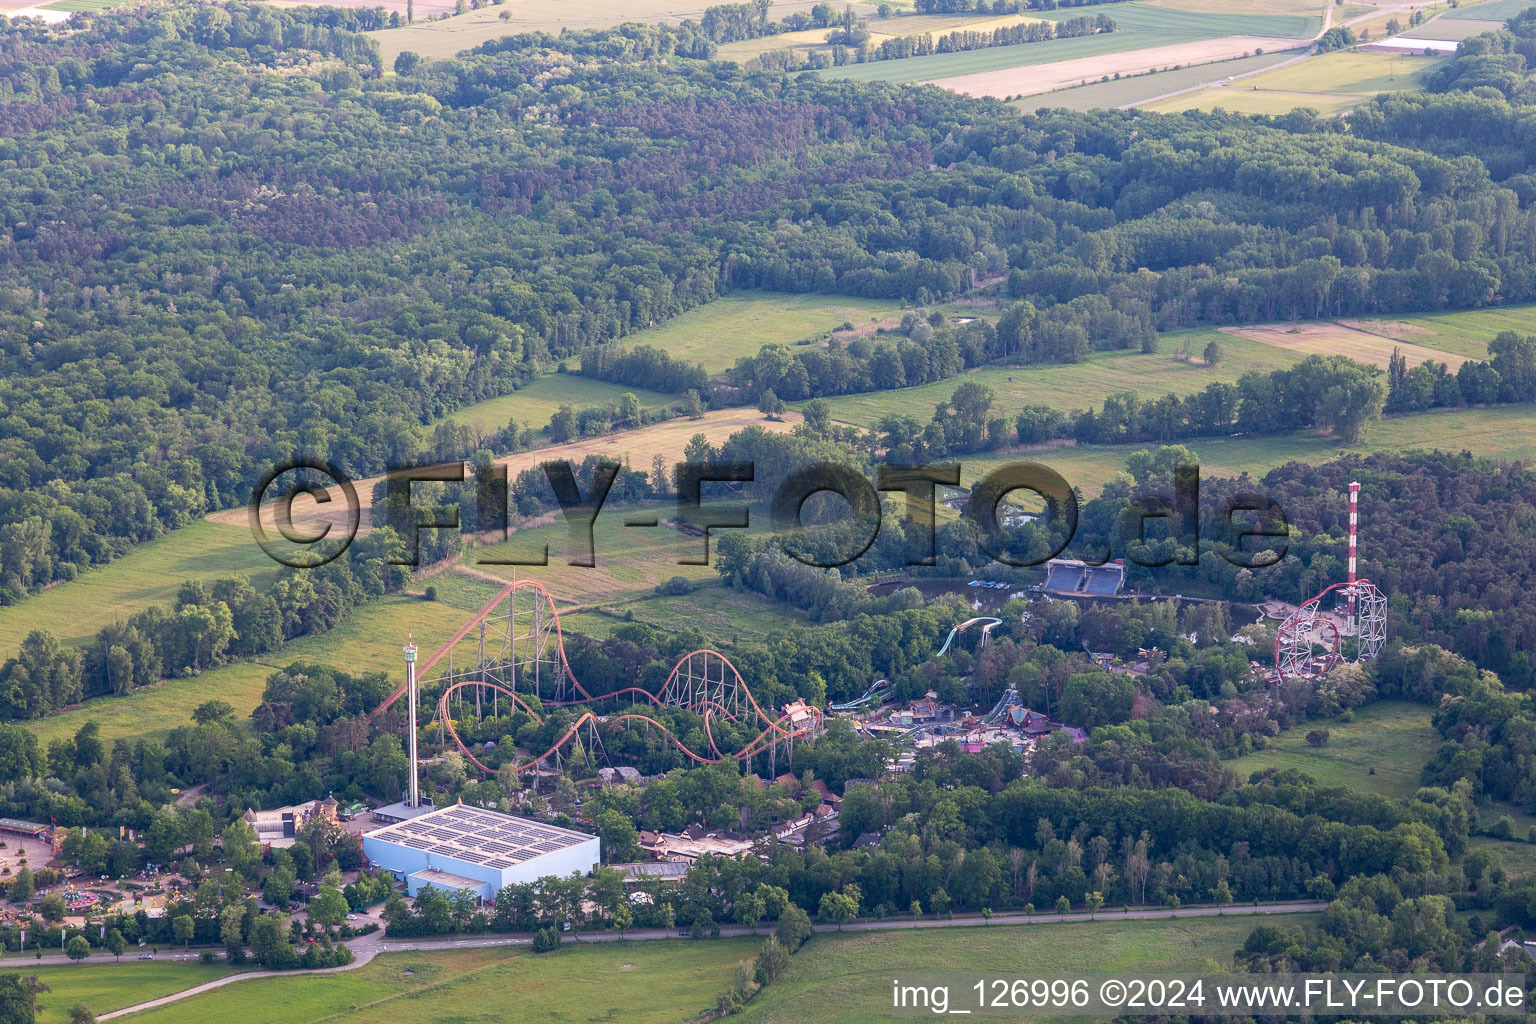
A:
{"x": 149, "y": 574}
{"x": 1381, "y": 751}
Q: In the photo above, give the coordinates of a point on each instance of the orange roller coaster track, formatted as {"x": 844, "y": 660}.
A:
{"x": 704, "y": 682}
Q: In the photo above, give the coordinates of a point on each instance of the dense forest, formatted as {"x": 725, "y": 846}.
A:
{"x": 231, "y": 240}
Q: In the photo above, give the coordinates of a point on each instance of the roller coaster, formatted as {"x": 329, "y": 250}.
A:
{"x": 521, "y": 651}
{"x": 1307, "y": 629}
{"x": 1307, "y": 643}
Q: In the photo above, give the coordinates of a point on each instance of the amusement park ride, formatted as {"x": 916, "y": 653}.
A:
{"x": 521, "y": 651}
{"x": 1307, "y": 645}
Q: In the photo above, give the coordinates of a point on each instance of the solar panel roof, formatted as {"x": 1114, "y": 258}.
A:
{"x": 464, "y": 832}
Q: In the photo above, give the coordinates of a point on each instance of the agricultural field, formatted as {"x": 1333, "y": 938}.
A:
{"x": 587, "y": 982}
{"x": 1494, "y": 10}
{"x": 1372, "y": 342}
{"x": 1067, "y": 386}
{"x": 846, "y": 978}
{"x": 105, "y": 986}
{"x": 880, "y": 30}
{"x": 149, "y": 574}
{"x": 740, "y": 323}
{"x": 82, "y": 5}
{"x": 1392, "y": 737}
{"x": 1452, "y": 28}
{"x": 534, "y": 404}
{"x": 1329, "y": 83}
{"x": 1306, "y": 8}
{"x": 1347, "y": 71}
{"x": 438, "y": 39}
{"x": 1138, "y": 89}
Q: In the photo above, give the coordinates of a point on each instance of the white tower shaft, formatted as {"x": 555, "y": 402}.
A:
{"x": 414, "y": 797}
{"x": 1354, "y": 525}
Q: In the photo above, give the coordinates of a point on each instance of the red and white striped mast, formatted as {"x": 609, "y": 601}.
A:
{"x": 1354, "y": 523}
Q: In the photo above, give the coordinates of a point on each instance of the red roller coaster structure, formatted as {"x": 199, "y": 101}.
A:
{"x": 523, "y": 646}
{"x": 1307, "y": 628}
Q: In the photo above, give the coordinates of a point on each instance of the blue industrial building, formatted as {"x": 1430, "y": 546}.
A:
{"x": 461, "y": 848}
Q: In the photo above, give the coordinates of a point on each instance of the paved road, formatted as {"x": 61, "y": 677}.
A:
{"x": 366, "y": 947}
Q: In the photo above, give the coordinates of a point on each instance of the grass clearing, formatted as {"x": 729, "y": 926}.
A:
{"x": 630, "y": 561}
{"x": 1140, "y": 88}
{"x": 1067, "y": 386}
{"x": 367, "y": 640}
{"x": 1519, "y": 858}
{"x": 1392, "y": 736}
{"x": 728, "y": 617}
{"x": 153, "y": 711}
{"x": 149, "y": 574}
{"x": 542, "y": 398}
{"x": 1502, "y": 433}
{"x": 105, "y": 986}
{"x": 587, "y": 982}
{"x": 846, "y": 978}
{"x": 1464, "y": 332}
{"x": 738, "y": 324}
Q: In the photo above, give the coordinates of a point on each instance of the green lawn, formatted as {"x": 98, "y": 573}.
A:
{"x": 1124, "y": 91}
{"x": 1393, "y": 737}
{"x": 740, "y": 323}
{"x": 533, "y": 405}
{"x": 836, "y": 977}
{"x": 1068, "y": 386}
{"x": 106, "y": 985}
{"x": 597, "y": 982}
{"x": 846, "y": 978}
{"x": 149, "y": 574}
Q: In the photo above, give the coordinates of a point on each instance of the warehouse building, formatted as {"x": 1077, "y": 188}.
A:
{"x": 461, "y": 848}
